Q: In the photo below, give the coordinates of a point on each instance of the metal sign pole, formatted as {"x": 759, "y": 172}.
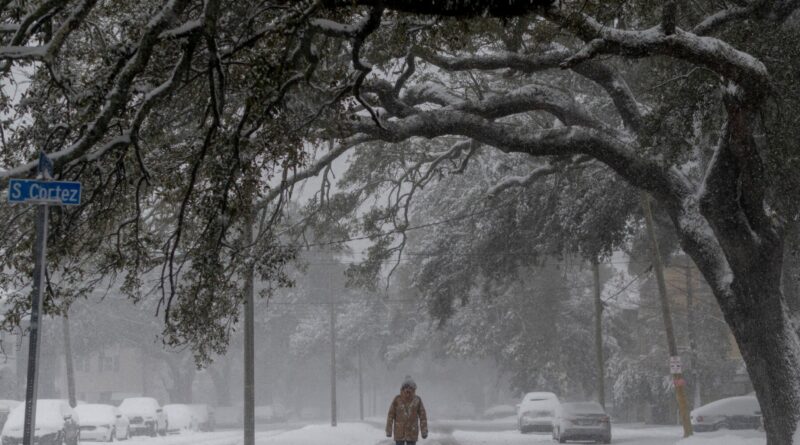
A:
{"x": 41, "y": 192}
{"x": 31, "y": 389}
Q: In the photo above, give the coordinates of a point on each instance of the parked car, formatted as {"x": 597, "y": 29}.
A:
{"x": 535, "y": 412}
{"x": 736, "y": 413}
{"x": 581, "y": 421}
{"x": 56, "y": 424}
{"x": 204, "y": 414}
{"x": 180, "y": 418}
{"x": 145, "y": 416}
{"x": 6, "y": 405}
{"x": 499, "y": 412}
{"x": 270, "y": 413}
{"x": 101, "y": 422}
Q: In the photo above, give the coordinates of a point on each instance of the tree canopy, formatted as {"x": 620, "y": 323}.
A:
{"x": 187, "y": 121}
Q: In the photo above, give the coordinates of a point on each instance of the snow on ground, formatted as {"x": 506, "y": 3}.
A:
{"x": 365, "y": 434}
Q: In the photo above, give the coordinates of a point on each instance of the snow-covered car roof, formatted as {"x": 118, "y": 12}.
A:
{"x": 540, "y": 400}
{"x": 732, "y": 406}
{"x": 138, "y": 405}
{"x": 539, "y": 396}
{"x": 49, "y": 414}
{"x": 96, "y": 414}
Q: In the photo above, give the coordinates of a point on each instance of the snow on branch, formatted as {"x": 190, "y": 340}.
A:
{"x": 530, "y": 98}
{"x": 520, "y": 100}
{"x": 606, "y": 77}
{"x": 612, "y": 151}
{"x": 333, "y": 29}
{"x": 721, "y": 18}
{"x": 714, "y": 54}
{"x": 69, "y": 25}
{"x": 116, "y": 99}
{"x": 520, "y": 181}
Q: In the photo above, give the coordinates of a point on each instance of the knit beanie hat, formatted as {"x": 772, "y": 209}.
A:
{"x": 408, "y": 382}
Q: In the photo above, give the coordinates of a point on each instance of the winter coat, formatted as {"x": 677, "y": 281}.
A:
{"x": 408, "y": 418}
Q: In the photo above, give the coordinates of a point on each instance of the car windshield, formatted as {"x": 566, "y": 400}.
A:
{"x": 582, "y": 408}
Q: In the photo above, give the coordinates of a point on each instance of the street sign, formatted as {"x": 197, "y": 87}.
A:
{"x": 34, "y": 191}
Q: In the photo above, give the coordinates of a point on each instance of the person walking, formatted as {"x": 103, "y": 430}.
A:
{"x": 407, "y": 417}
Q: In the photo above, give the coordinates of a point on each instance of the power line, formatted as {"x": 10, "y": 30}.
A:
{"x": 407, "y": 229}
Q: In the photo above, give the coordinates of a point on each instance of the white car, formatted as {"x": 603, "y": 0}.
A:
{"x": 734, "y": 413}
{"x": 103, "y": 423}
{"x": 581, "y": 421}
{"x": 56, "y": 424}
{"x": 535, "y": 412}
{"x": 204, "y": 415}
{"x": 180, "y": 418}
{"x": 145, "y": 416}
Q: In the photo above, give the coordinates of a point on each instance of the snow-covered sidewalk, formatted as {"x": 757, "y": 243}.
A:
{"x": 357, "y": 433}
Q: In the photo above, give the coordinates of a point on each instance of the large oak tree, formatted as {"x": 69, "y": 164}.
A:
{"x": 177, "y": 114}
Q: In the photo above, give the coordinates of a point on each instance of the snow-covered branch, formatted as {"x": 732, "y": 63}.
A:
{"x": 606, "y": 77}
{"x": 615, "y": 153}
{"x": 714, "y": 54}
{"x": 117, "y": 97}
{"x": 520, "y": 181}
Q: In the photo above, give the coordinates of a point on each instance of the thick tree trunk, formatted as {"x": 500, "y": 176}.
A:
{"x": 756, "y": 311}
{"x": 771, "y": 350}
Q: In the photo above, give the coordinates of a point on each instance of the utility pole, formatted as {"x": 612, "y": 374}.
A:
{"x": 690, "y": 321}
{"x": 674, "y": 359}
{"x": 333, "y": 361}
{"x": 249, "y": 346}
{"x": 360, "y": 388}
{"x": 68, "y": 357}
{"x": 598, "y": 335}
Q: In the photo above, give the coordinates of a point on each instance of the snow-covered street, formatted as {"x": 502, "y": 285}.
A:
{"x": 365, "y": 434}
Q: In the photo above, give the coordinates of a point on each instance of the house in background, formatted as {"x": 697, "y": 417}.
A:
{"x": 108, "y": 376}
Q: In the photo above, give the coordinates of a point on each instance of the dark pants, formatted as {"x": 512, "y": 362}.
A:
{"x": 405, "y": 442}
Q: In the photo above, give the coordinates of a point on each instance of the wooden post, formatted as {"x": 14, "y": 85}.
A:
{"x": 675, "y": 367}
{"x": 598, "y": 335}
